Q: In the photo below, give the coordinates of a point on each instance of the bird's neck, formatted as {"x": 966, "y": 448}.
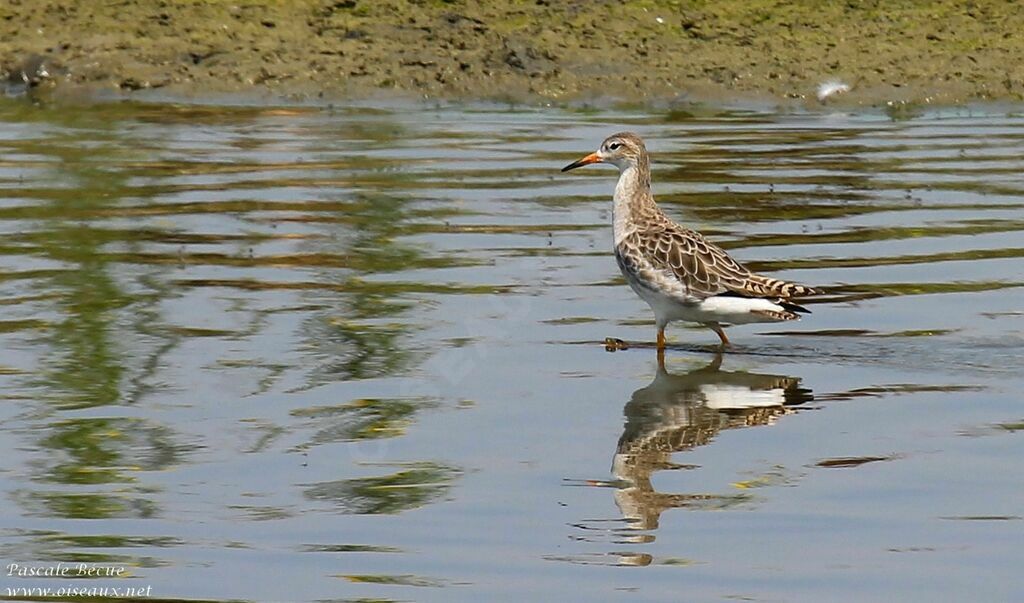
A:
{"x": 633, "y": 199}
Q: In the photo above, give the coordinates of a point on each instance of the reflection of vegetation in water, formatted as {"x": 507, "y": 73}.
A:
{"x": 88, "y": 356}
{"x": 86, "y": 366}
{"x": 896, "y": 289}
{"x": 348, "y": 349}
{"x": 57, "y": 546}
{"x": 393, "y": 579}
{"x": 411, "y": 488}
{"x": 87, "y": 369}
{"x": 363, "y": 419}
{"x": 261, "y": 512}
{"x": 904, "y": 260}
{"x": 99, "y": 451}
{"x": 355, "y": 342}
{"x": 363, "y": 337}
{"x": 68, "y": 505}
{"x": 876, "y": 234}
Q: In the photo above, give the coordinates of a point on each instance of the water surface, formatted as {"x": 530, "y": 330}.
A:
{"x": 355, "y": 354}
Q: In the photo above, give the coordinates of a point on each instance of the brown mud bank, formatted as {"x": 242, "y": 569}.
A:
{"x": 888, "y": 50}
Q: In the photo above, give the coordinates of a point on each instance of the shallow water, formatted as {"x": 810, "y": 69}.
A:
{"x": 303, "y": 355}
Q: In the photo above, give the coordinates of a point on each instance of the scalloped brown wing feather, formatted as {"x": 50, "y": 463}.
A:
{"x": 703, "y": 267}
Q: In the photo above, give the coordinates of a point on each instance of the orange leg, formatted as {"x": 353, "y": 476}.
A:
{"x": 661, "y": 348}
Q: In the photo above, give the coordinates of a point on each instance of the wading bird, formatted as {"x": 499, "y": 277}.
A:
{"x": 678, "y": 272}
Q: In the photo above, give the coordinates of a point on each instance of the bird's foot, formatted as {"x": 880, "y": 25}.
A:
{"x": 613, "y": 344}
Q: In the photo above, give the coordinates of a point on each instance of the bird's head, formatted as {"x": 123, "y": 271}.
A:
{"x": 623, "y": 150}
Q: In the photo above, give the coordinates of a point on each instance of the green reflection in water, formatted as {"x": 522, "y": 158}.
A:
{"x": 400, "y": 580}
{"x": 87, "y": 366}
{"x": 411, "y": 488}
{"x": 86, "y": 506}
{"x": 350, "y": 349}
{"x": 99, "y": 451}
{"x": 88, "y": 359}
{"x": 363, "y": 419}
{"x": 45, "y": 545}
{"x": 356, "y": 343}
{"x": 1012, "y": 426}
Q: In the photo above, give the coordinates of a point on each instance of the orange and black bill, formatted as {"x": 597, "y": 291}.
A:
{"x": 591, "y": 158}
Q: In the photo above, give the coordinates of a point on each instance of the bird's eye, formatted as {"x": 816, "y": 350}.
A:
{"x": 615, "y": 145}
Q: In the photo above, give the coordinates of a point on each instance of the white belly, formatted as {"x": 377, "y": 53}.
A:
{"x": 672, "y": 304}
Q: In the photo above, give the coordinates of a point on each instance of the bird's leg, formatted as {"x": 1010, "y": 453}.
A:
{"x": 717, "y": 328}
{"x": 661, "y": 346}
{"x": 716, "y": 364}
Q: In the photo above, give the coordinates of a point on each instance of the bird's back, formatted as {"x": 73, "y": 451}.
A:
{"x": 701, "y": 267}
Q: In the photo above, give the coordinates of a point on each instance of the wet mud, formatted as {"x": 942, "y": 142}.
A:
{"x": 536, "y": 51}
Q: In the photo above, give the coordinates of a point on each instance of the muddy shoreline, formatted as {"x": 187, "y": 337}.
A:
{"x": 537, "y": 51}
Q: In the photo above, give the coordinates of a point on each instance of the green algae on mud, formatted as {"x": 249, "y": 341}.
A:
{"x": 906, "y": 51}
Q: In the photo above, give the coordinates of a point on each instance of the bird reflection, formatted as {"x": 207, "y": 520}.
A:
{"x": 679, "y": 412}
